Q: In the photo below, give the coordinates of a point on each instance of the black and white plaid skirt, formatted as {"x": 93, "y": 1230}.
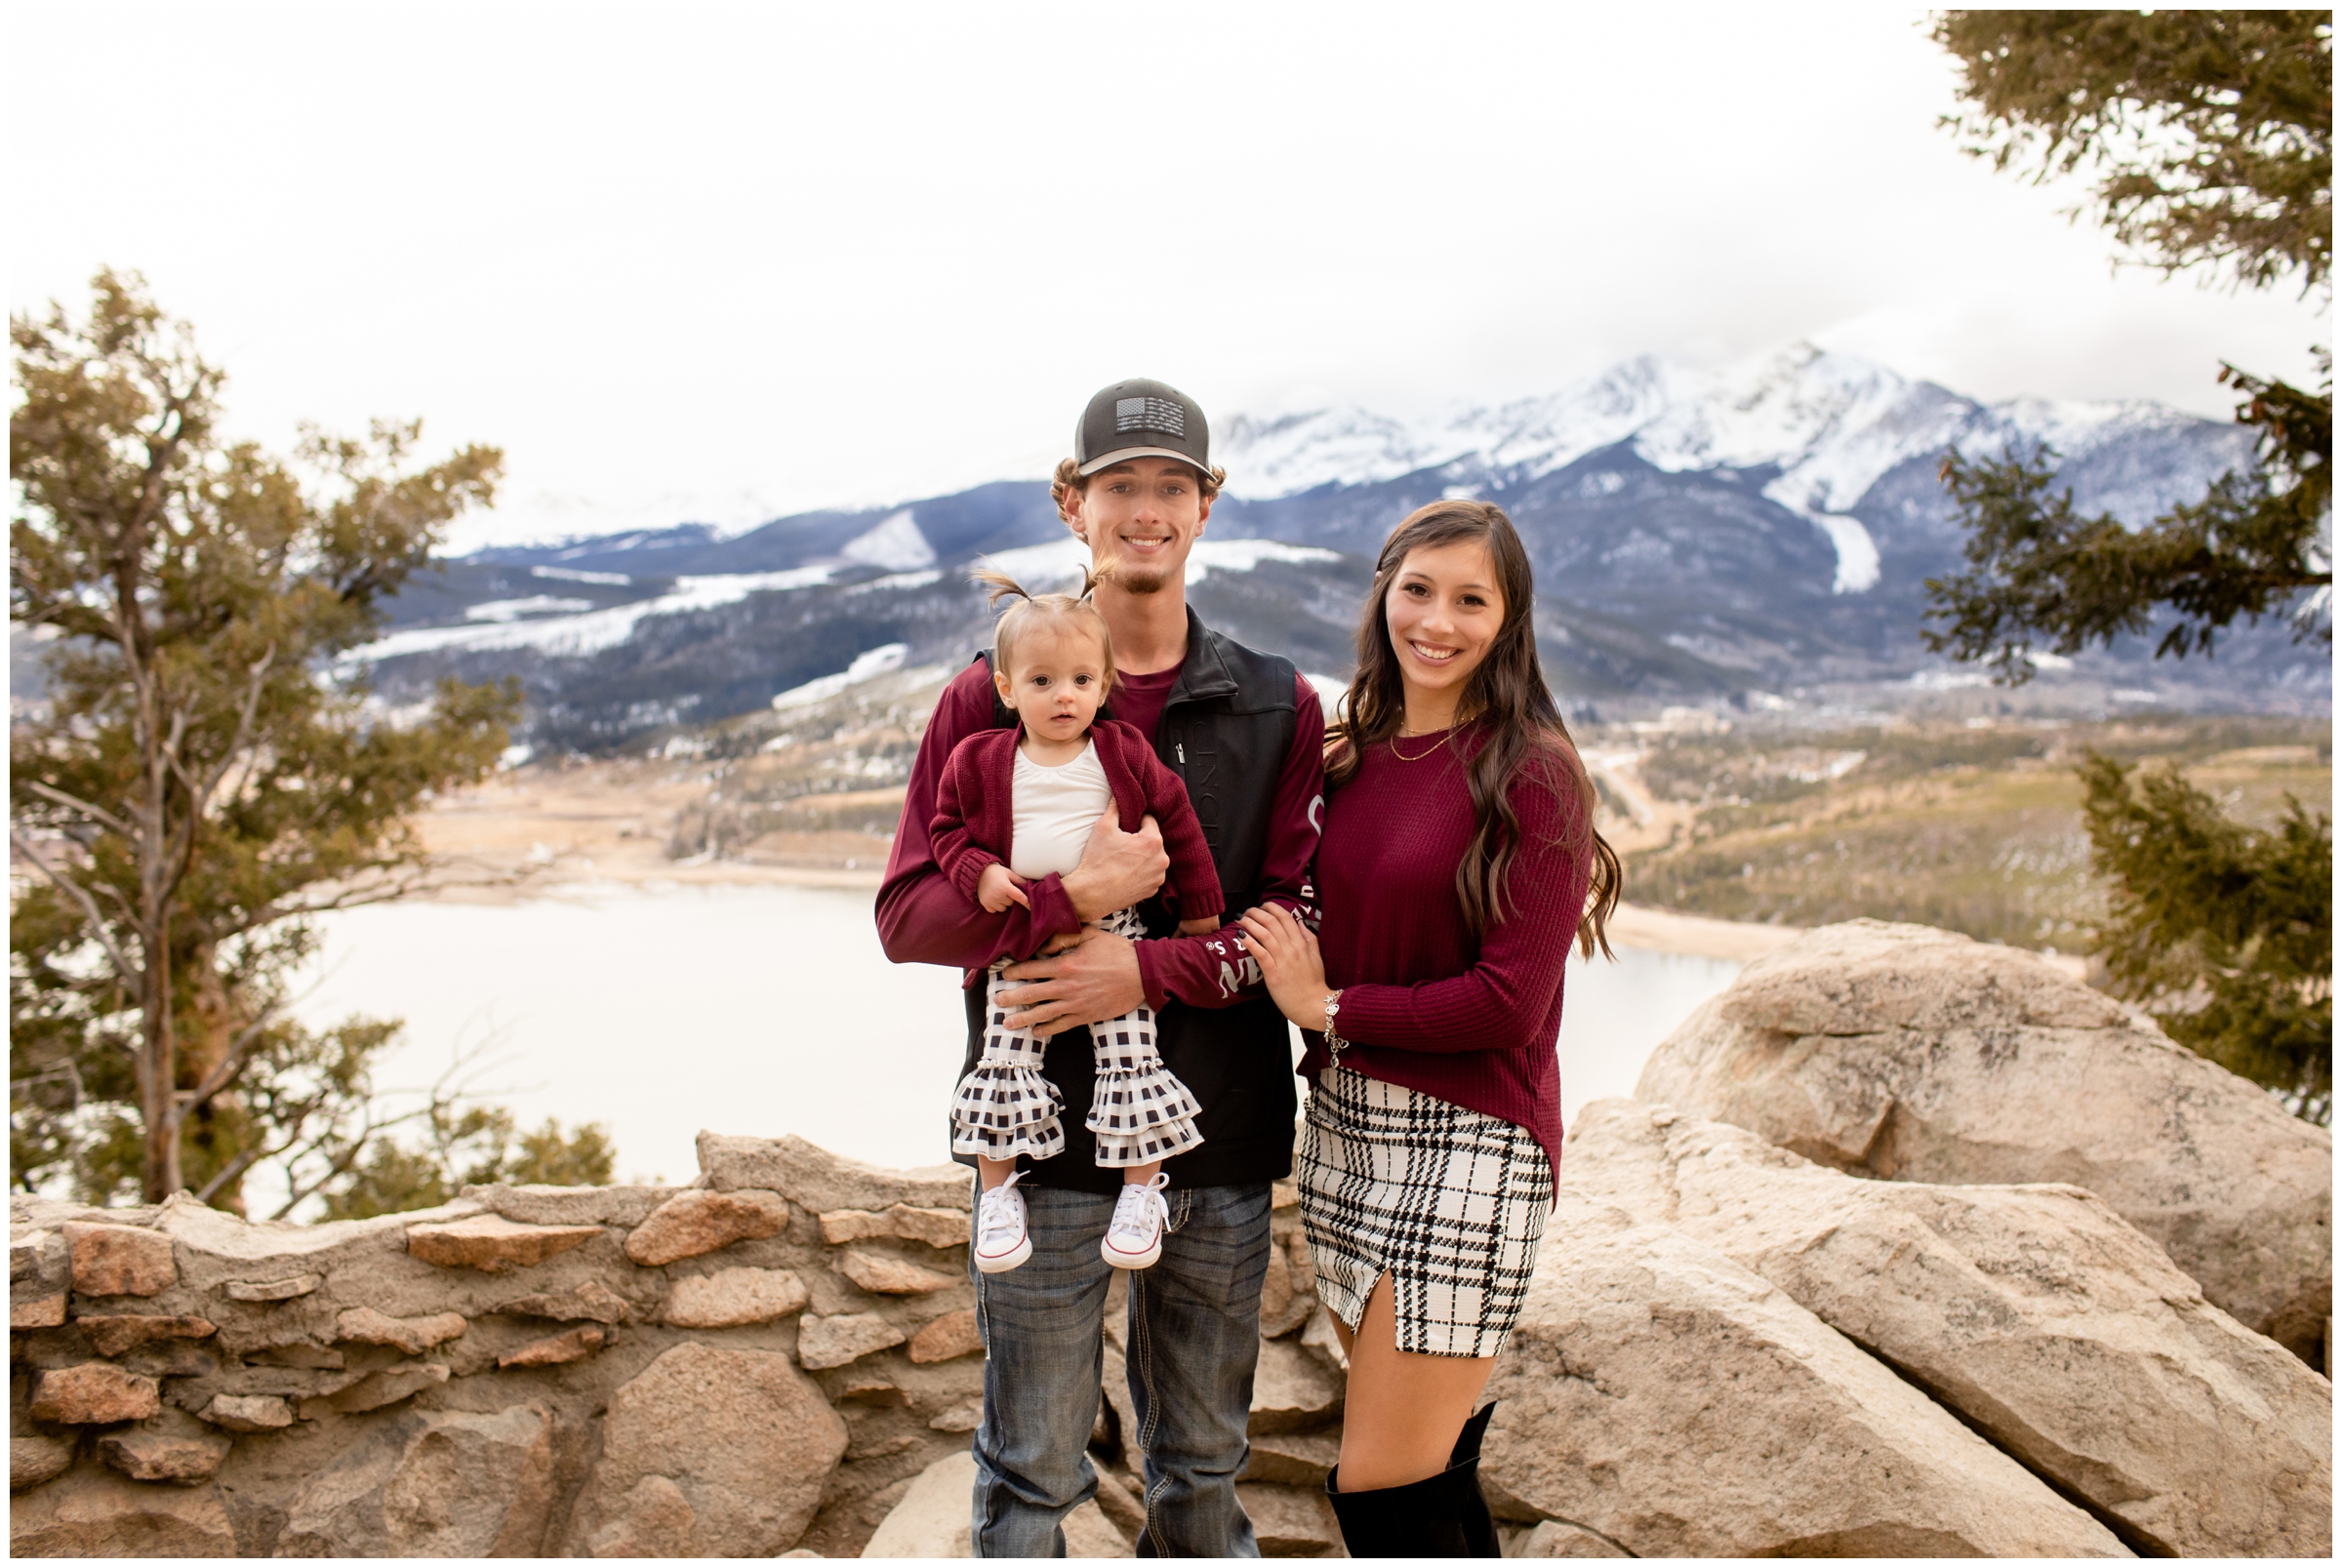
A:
{"x": 1449, "y": 1202}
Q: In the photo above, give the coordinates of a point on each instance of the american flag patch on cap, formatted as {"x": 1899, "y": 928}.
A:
{"x": 1149, "y": 413}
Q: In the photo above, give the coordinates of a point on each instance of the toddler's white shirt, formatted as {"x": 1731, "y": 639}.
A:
{"x": 1055, "y": 810}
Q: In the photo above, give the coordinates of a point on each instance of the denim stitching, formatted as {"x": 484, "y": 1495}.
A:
{"x": 1143, "y": 1344}
{"x": 983, "y": 1322}
{"x": 983, "y": 1333}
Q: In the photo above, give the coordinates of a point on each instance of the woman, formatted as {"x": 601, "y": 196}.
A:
{"x": 1456, "y": 866}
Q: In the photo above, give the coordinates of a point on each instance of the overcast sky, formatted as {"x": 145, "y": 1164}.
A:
{"x": 719, "y": 263}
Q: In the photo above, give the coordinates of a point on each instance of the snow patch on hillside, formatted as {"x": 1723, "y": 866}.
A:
{"x": 895, "y": 545}
{"x": 537, "y": 604}
{"x": 573, "y": 635}
{"x": 866, "y": 667}
{"x": 566, "y": 573}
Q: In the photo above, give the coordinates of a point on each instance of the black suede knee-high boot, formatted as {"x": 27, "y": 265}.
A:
{"x": 1441, "y": 1516}
{"x": 1414, "y": 1520}
{"x": 1464, "y": 1474}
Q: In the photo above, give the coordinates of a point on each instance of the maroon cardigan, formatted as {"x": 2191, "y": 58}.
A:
{"x": 923, "y": 920}
{"x": 975, "y": 812}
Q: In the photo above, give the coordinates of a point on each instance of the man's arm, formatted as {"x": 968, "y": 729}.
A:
{"x": 1103, "y": 976}
{"x": 1215, "y": 970}
{"x": 922, "y": 918}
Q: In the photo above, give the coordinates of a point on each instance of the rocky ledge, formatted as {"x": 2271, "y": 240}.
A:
{"x": 764, "y": 1361}
{"x": 1911, "y": 1246}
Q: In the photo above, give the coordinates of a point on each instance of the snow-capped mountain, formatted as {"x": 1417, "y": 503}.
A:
{"x": 1829, "y": 426}
{"x": 1697, "y": 534}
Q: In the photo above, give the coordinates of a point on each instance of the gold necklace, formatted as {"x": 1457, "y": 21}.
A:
{"x": 1445, "y": 736}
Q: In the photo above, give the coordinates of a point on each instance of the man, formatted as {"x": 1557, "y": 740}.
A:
{"x": 1244, "y": 732}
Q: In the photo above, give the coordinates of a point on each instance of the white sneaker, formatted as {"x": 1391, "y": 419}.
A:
{"x": 1135, "y": 1237}
{"x": 1000, "y": 1239}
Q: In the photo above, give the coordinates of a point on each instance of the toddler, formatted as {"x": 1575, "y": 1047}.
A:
{"x": 1018, "y": 804}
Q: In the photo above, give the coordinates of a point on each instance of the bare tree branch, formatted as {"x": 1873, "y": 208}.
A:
{"x": 244, "y": 1162}
{"x": 81, "y": 897}
{"x": 76, "y": 803}
{"x": 236, "y": 745}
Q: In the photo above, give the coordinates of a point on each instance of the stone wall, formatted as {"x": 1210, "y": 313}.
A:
{"x": 761, "y": 1362}
{"x": 1911, "y": 1245}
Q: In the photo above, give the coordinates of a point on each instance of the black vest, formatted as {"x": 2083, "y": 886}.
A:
{"x": 1227, "y": 727}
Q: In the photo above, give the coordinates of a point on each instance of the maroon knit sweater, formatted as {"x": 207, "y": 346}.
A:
{"x": 1424, "y": 1004}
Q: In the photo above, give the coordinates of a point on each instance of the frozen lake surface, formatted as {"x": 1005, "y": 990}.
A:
{"x": 768, "y": 1010}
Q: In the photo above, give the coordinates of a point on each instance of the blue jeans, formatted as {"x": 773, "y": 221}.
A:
{"x": 1193, "y": 1338}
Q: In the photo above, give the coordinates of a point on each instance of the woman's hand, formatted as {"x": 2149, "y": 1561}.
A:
{"x": 999, "y": 887}
{"x": 1287, "y": 953}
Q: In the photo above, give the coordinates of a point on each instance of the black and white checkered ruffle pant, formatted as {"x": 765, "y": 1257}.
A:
{"x": 1139, "y": 1110}
{"x": 1448, "y": 1202}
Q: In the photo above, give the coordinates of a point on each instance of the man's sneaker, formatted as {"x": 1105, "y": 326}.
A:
{"x": 1135, "y": 1238}
{"x": 1000, "y": 1239}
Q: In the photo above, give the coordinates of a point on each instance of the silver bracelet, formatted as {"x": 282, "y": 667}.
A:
{"x": 1332, "y": 1038}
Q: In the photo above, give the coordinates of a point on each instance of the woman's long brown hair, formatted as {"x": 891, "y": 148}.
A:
{"x": 1507, "y": 695}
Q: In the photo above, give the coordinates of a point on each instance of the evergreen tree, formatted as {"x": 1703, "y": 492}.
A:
{"x": 2225, "y": 933}
{"x": 203, "y": 778}
{"x": 2210, "y": 134}
{"x": 2039, "y": 569}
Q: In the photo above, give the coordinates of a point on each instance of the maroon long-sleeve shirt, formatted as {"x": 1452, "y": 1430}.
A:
{"x": 976, "y": 812}
{"x": 1424, "y": 1004}
{"x": 923, "y": 920}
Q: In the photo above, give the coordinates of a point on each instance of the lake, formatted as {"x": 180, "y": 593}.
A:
{"x": 767, "y": 1010}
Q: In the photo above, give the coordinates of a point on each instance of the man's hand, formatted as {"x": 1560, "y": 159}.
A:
{"x": 1090, "y": 978}
{"x": 1117, "y": 869}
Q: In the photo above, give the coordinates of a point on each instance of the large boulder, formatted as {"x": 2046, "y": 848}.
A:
{"x": 709, "y": 1453}
{"x": 1660, "y": 1394}
{"x": 439, "y": 1483}
{"x": 2049, "y": 1325}
{"x": 1912, "y": 1054}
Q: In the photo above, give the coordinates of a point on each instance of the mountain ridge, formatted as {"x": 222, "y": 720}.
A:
{"x": 1697, "y": 535}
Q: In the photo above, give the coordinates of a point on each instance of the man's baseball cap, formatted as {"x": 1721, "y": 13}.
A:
{"x": 1141, "y": 419}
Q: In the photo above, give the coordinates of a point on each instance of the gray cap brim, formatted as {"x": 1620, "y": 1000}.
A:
{"x": 1127, "y": 453}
